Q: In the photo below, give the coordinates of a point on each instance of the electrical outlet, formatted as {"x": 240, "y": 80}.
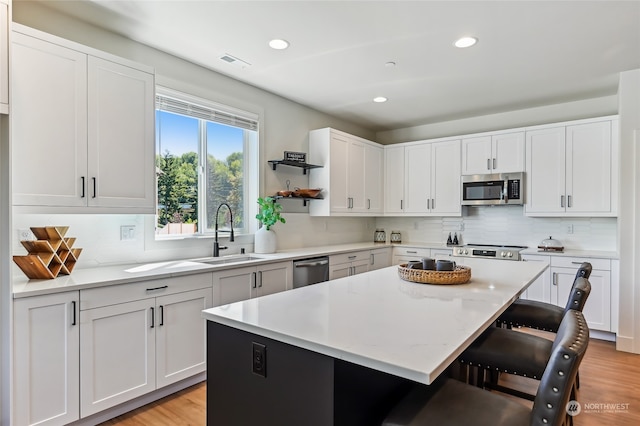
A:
{"x": 461, "y": 226}
{"x": 25, "y": 234}
{"x": 259, "y": 359}
{"x": 127, "y": 232}
{"x": 570, "y": 229}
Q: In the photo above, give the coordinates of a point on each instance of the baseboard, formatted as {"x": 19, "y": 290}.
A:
{"x": 602, "y": 335}
{"x": 626, "y": 344}
{"x": 121, "y": 409}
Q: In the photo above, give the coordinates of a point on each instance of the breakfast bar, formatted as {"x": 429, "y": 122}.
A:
{"x": 341, "y": 352}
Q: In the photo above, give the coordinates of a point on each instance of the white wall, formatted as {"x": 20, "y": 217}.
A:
{"x": 587, "y": 108}
{"x": 629, "y": 219}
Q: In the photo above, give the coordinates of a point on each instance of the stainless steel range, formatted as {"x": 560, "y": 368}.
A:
{"x": 489, "y": 251}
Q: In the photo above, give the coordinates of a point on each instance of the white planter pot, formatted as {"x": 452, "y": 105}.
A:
{"x": 265, "y": 241}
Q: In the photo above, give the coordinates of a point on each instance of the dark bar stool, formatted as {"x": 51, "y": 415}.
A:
{"x": 539, "y": 315}
{"x": 501, "y": 350}
{"x": 452, "y": 402}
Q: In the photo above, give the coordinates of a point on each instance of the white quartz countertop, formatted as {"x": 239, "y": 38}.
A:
{"x": 127, "y": 273}
{"x": 376, "y": 319}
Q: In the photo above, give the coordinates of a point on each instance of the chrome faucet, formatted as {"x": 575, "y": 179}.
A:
{"x": 216, "y": 244}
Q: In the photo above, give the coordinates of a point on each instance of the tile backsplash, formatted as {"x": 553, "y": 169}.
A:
{"x": 507, "y": 225}
{"x": 99, "y": 235}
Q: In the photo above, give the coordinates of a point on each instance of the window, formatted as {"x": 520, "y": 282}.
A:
{"x": 205, "y": 156}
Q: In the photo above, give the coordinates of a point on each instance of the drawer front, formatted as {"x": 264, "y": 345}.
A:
{"x": 411, "y": 252}
{"x": 574, "y": 262}
{"x": 121, "y": 293}
{"x": 354, "y": 256}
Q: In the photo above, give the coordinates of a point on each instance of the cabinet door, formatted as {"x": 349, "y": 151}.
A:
{"x": 445, "y": 178}
{"x": 273, "y": 278}
{"x": 545, "y": 171}
{"x": 508, "y": 153}
{"x": 589, "y": 168}
{"x": 476, "y": 155}
{"x": 356, "y": 177}
{"x": 46, "y": 353}
{"x": 418, "y": 178}
{"x": 380, "y": 258}
{"x": 394, "y": 180}
{"x": 339, "y": 271}
{"x": 339, "y": 181}
{"x": 539, "y": 289}
{"x": 181, "y": 335}
{"x": 117, "y": 361}
{"x": 374, "y": 178}
{"x": 232, "y": 285}
{"x": 597, "y": 310}
{"x": 359, "y": 267}
{"x": 48, "y": 123}
{"x": 121, "y": 170}
{"x": 4, "y": 57}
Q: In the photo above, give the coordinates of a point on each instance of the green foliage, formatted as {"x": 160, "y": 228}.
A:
{"x": 269, "y": 213}
{"x": 178, "y": 188}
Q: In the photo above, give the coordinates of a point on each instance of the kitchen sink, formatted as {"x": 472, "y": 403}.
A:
{"x": 229, "y": 259}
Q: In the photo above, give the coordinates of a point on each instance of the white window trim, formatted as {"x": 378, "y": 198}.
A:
{"x": 251, "y": 172}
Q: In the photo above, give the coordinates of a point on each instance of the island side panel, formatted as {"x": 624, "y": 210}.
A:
{"x": 297, "y": 389}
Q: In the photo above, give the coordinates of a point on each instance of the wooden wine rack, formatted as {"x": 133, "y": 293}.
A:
{"x": 52, "y": 254}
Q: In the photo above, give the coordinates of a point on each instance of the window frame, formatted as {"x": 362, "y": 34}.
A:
{"x": 251, "y": 156}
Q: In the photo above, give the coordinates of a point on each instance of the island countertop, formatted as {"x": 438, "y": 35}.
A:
{"x": 380, "y": 321}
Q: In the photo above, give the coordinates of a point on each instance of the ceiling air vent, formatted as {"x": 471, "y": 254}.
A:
{"x": 234, "y": 61}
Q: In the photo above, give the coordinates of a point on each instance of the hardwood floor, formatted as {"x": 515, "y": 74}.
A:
{"x": 606, "y": 377}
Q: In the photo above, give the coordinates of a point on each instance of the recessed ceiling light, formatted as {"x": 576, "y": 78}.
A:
{"x": 278, "y": 44}
{"x": 466, "y": 42}
{"x": 380, "y": 99}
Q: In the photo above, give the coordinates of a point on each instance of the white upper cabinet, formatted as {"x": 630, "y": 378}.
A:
{"x": 572, "y": 170}
{"x": 394, "y": 179}
{"x": 423, "y": 179}
{"x": 497, "y": 153}
{"x": 351, "y": 176}
{"x": 82, "y": 128}
{"x": 5, "y": 19}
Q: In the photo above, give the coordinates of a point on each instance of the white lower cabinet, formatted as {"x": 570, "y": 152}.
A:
{"x": 46, "y": 351}
{"x": 540, "y": 289}
{"x": 234, "y": 285}
{"x": 347, "y": 264}
{"x": 379, "y": 258}
{"x": 597, "y": 310}
{"x": 130, "y": 348}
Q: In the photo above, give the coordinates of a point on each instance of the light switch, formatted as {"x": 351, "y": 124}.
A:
{"x": 127, "y": 232}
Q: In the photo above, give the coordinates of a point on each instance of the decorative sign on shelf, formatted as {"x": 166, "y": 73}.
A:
{"x": 298, "y": 157}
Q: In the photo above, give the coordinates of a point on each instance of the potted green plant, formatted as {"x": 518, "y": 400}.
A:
{"x": 268, "y": 215}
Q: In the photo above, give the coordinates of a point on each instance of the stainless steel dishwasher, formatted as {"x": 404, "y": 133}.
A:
{"x": 310, "y": 271}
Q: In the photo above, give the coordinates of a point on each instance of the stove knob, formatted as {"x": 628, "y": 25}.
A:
{"x": 466, "y": 251}
{"x": 510, "y": 254}
{"x": 503, "y": 254}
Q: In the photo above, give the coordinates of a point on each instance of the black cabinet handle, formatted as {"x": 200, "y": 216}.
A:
{"x": 83, "y": 194}
{"x": 94, "y": 187}
{"x": 73, "y": 307}
{"x": 157, "y": 288}
{"x": 161, "y": 315}
{"x": 152, "y": 318}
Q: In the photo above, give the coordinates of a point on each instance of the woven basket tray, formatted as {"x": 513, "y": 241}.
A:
{"x": 460, "y": 275}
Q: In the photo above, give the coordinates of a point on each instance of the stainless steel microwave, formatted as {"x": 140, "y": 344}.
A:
{"x": 493, "y": 189}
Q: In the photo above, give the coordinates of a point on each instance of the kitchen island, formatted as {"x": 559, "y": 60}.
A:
{"x": 341, "y": 352}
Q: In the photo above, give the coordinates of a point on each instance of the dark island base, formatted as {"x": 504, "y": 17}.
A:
{"x": 301, "y": 387}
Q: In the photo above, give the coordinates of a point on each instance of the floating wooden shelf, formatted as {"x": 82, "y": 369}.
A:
{"x": 50, "y": 255}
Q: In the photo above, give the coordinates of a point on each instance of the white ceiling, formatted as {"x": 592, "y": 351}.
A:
{"x": 529, "y": 53}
